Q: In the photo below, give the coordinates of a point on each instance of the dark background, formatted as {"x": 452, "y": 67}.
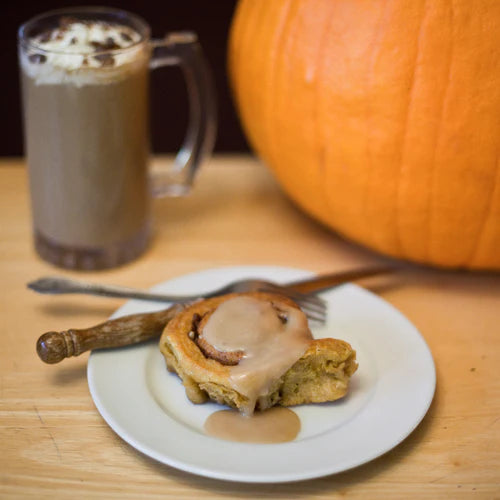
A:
{"x": 209, "y": 19}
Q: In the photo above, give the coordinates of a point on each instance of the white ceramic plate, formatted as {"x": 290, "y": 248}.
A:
{"x": 389, "y": 394}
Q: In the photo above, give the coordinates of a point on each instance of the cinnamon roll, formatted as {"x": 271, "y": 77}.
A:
{"x": 253, "y": 351}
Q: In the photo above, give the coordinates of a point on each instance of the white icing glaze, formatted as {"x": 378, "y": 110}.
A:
{"x": 270, "y": 345}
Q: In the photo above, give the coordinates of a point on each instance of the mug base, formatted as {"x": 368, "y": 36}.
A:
{"x": 91, "y": 258}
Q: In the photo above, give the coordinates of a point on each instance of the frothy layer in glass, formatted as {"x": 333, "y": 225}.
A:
{"x": 82, "y": 52}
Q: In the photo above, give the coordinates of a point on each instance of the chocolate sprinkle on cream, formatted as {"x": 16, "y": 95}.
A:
{"x": 37, "y": 58}
{"x": 109, "y": 44}
{"x": 105, "y": 59}
{"x": 45, "y": 37}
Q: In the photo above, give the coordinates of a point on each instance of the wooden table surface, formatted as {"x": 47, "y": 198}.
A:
{"x": 54, "y": 443}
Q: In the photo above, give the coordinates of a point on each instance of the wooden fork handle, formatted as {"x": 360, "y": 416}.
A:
{"x": 53, "y": 347}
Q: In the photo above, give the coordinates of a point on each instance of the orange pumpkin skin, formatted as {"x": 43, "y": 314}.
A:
{"x": 380, "y": 119}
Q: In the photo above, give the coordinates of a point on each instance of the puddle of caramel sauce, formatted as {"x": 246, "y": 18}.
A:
{"x": 275, "y": 425}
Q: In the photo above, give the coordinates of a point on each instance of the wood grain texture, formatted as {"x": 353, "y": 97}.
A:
{"x": 53, "y": 347}
{"x": 56, "y": 445}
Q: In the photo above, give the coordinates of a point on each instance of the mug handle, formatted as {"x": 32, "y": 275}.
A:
{"x": 182, "y": 48}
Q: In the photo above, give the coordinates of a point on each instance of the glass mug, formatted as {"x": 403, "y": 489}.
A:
{"x": 85, "y": 75}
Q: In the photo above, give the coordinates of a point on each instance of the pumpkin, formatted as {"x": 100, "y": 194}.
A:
{"x": 379, "y": 119}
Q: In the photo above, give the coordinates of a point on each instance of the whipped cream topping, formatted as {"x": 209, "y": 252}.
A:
{"x": 62, "y": 54}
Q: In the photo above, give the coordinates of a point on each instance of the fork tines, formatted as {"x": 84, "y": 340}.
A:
{"x": 314, "y": 307}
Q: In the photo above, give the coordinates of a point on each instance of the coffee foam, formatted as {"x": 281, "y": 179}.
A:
{"x": 80, "y": 53}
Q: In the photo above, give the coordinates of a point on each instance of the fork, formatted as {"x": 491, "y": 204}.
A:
{"x": 53, "y": 347}
{"x": 302, "y": 292}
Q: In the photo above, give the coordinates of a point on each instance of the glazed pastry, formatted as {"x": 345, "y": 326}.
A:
{"x": 253, "y": 351}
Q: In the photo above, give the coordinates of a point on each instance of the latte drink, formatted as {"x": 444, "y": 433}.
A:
{"x": 85, "y": 96}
